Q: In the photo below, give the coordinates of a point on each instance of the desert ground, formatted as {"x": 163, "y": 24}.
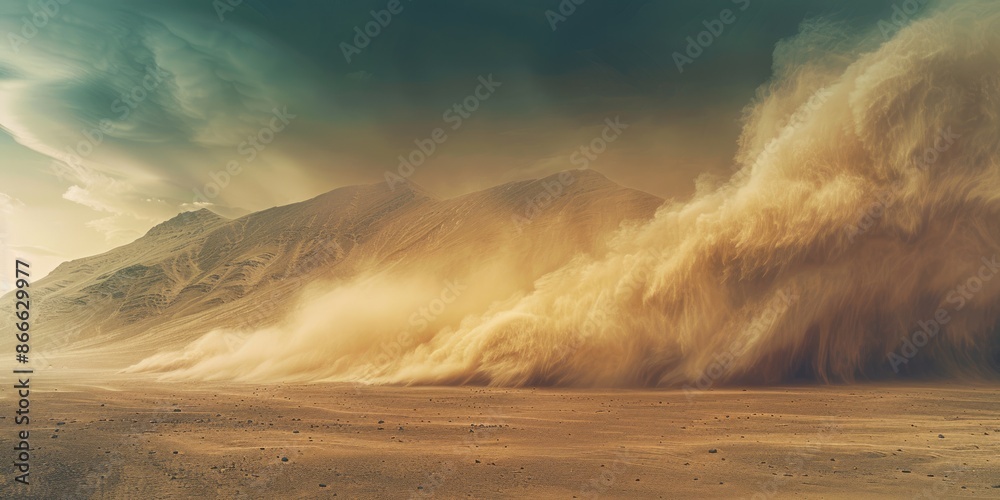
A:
{"x": 116, "y": 437}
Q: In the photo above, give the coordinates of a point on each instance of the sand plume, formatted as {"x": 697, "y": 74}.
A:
{"x": 866, "y": 201}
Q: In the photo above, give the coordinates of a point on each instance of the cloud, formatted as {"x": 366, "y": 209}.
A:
{"x": 115, "y": 228}
{"x": 36, "y": 251}
{"x": 9, "y": 204}
{"x": 134, "y": 101}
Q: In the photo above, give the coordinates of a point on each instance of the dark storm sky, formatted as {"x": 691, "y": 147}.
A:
{"x": 219, "y": 80}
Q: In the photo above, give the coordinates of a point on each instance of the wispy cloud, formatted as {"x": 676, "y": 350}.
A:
{"x": 9, "y": 204}
{"x": 133, "y": 103}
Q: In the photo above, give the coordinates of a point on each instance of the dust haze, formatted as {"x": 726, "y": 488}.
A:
{"x": 865, "y": 200}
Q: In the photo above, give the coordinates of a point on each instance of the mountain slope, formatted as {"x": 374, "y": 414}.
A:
{"x": 199, "y": 271}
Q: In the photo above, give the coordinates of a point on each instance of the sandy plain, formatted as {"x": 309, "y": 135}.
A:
{"x": 97, "y": 436}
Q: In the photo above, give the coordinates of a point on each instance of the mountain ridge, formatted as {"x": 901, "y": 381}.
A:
{"x": 199, "y": 270}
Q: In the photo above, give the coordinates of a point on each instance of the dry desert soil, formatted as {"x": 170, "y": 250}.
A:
{"x": 117, "y": 437}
